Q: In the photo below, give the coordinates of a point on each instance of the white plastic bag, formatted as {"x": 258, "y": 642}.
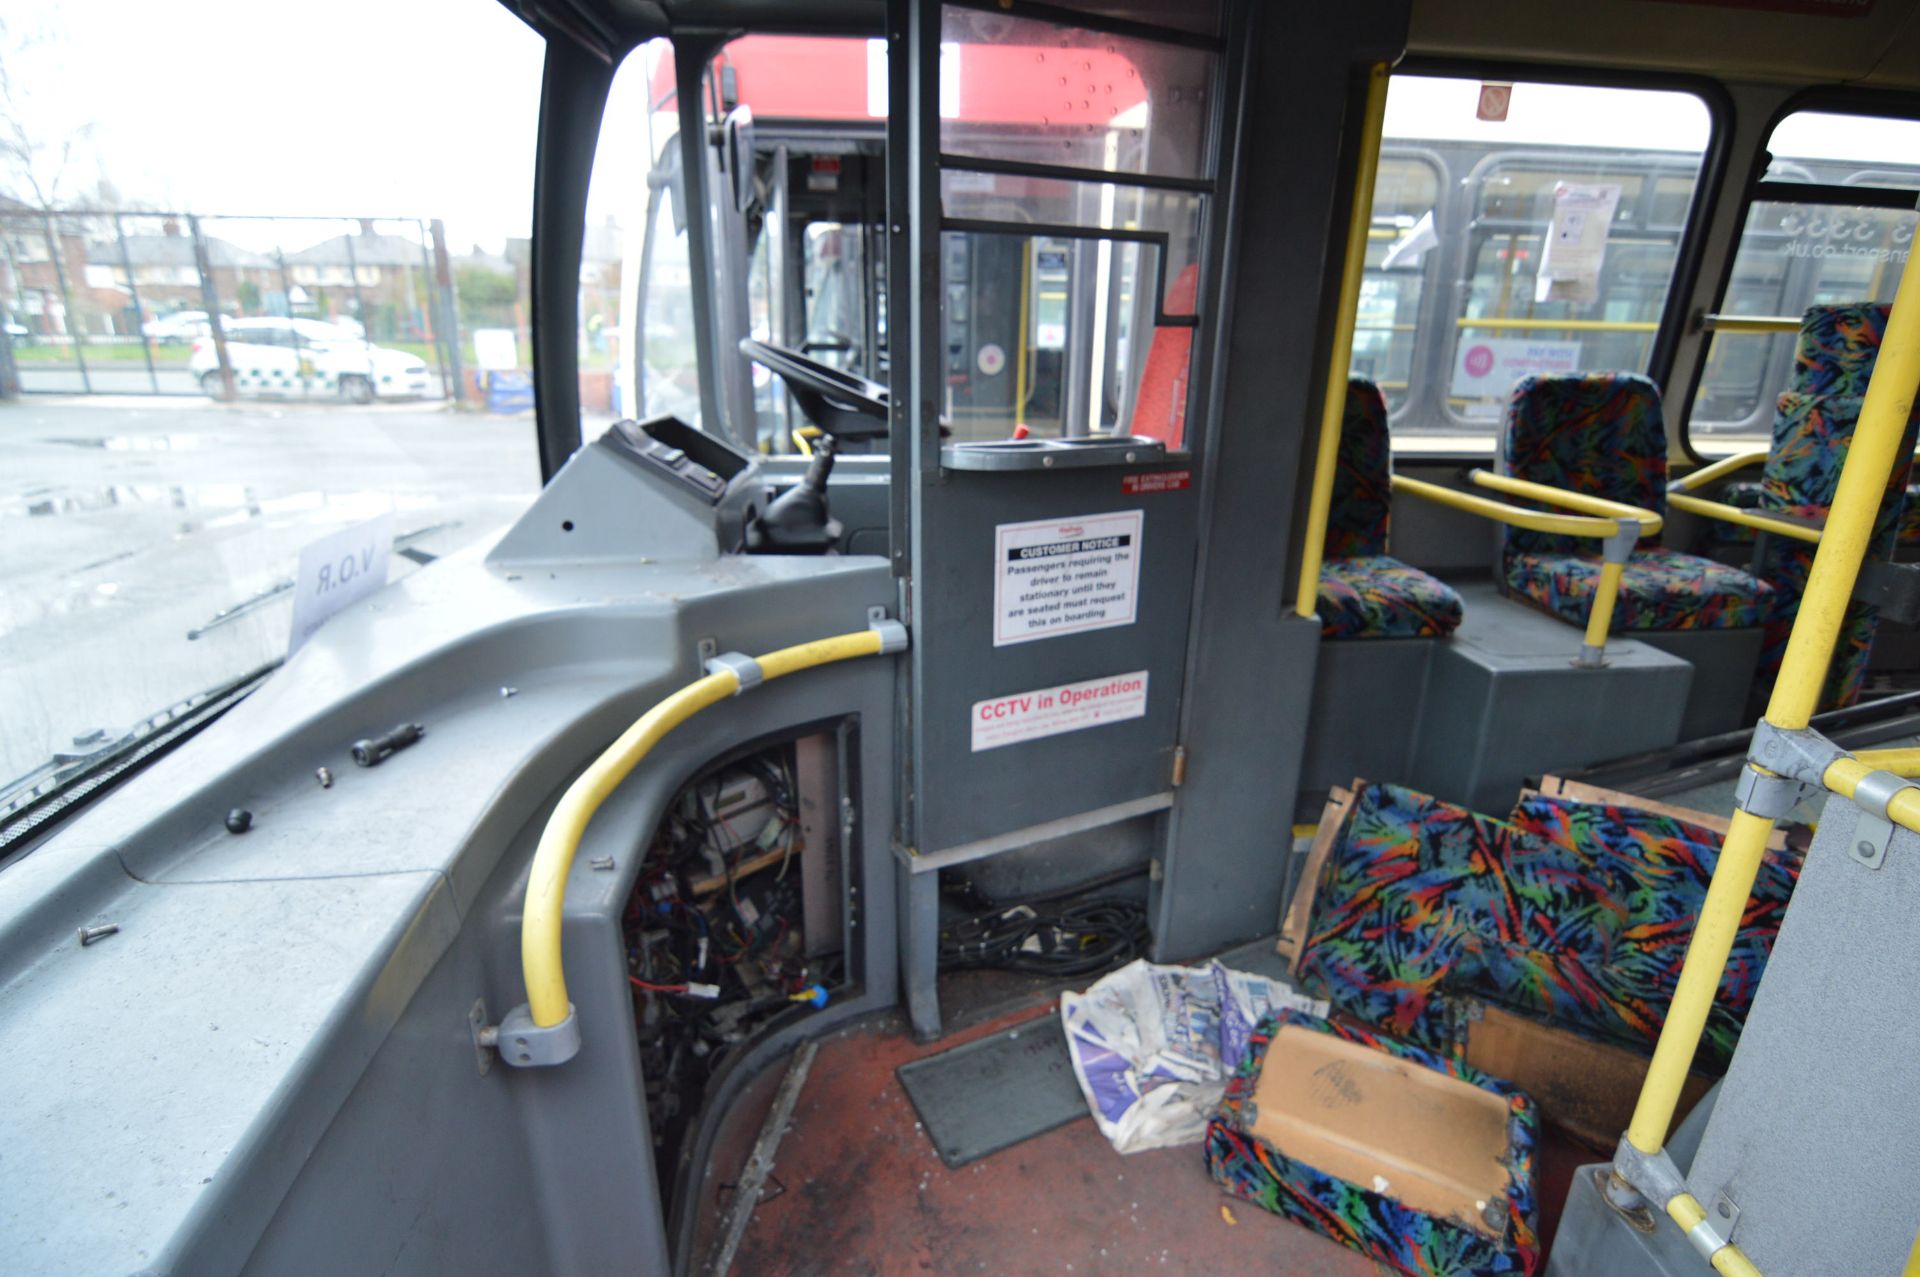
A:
{"x": 1152, "y": 1046}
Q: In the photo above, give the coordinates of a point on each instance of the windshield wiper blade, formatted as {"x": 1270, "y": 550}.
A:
{"x": 71, "y": 777}
{"x": 402, "y": 545}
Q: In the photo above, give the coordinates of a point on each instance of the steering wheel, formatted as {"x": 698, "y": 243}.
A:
{"x": 840, "y": 403}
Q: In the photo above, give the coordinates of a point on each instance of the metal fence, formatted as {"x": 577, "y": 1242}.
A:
{"x": 105, "y": 302}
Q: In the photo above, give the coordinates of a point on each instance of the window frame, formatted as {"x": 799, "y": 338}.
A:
{"x": 1884, "y": 104}
{"x": 1689, "y": 247}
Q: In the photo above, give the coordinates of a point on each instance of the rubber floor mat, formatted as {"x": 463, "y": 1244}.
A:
{"x": 996, "y": 1091}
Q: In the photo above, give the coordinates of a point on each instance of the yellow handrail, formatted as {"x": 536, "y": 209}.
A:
{"x": 1755, "y": 519}
{"x": 1718, "y": 470}
{"x": 540, "y": 922}
{"x": 1679, "y": 496}
{"x": 1750, "y": 323}
{"x": 1844, "y": 775}
{"x": 1649, "y": 522}
{"x": 1359, "y": 221}
{"x": 1729, "y": 1261}
{"x": 1571, "y": 525}
{"x": 1796, "y": 692}
{"x": 1570, "y": 325}
{"x": 1608, "y": 521}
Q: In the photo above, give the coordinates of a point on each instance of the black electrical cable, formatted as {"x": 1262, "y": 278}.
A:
{"x": 1075, "y": 939}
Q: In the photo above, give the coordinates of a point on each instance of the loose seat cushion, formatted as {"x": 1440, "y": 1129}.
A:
{"x": 1361, "y": 1215}
{"x": 1375, "y": 596}
{"x": 1575, "y": 913}
{"x": 1416, "y": 893}
{"x": 1659, "y": 867}
{"x": 1659, "y": 590}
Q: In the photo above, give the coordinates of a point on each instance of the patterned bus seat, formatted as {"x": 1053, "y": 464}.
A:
{"x": 1575, "y": 913}
{"x": 1812, "y": 430}
{"x": 1603, "y": 434}
{"x": 1364, "y": 591}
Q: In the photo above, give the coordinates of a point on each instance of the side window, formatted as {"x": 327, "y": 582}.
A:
{"x": 1406, "y": 197}
{"x": 1832, "y": 221}
{"x": 1518, "y": 229}
{"x": 637, "y": 338}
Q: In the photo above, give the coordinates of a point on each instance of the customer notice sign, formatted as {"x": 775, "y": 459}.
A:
{"x": 1065, "y": 576}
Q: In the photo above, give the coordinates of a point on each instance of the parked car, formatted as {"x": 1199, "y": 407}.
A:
{"x": 19, "y": 334}
{"x": 300, "y": 358}
{"x": 180, "y": 327}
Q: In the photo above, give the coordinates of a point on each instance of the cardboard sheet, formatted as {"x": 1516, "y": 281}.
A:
{"x": 1431, "y": 1141}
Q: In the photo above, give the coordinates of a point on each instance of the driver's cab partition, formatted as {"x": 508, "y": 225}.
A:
{"x": 1050, "y": 547}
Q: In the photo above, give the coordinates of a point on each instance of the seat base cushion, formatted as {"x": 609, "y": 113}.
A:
{"x": 1660, "y": 590}
{"x": 1365, "y": 1216}
{"x": 1375, "y": 596}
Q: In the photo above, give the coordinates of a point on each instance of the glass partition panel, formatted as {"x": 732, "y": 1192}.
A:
{"x": 1034, "y": 92}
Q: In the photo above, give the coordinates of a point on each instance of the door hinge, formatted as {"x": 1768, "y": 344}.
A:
{"x": 1179, "y": 766}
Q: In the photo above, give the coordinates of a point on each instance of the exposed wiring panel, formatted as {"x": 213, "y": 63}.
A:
{"x": 714, "y": 932}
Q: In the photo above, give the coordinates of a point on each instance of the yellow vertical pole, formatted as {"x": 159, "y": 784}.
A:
{"x": 1359, "y": 219}
{"x": 1020, "y": 337}
{"x": 1823, "y": 606}
{"x": 1600, "y": 611}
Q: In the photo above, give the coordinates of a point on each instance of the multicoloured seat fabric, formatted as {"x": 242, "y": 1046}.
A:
{"x": 1375, "y": 596}
{"x": 1837, "y": 347}
{"x": 1812, "y": 430}
{"x": 1660, "y": 867}
{"x": 1660, "y": 589}
{"x": 1576, "y": 913}
{"x": 1364, "y": 592}
{"x": 1355, "y": 1215}
{"x": 1603, "y": 435}
{"x": 1811, "y": 437}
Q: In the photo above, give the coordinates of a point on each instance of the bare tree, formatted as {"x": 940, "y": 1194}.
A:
{"x": 37, "y": 155}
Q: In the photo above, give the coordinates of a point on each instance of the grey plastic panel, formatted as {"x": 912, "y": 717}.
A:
{"x": 1723, "y": 663}
{"x": 1053, "y": 454}
{"x": 197, "y": 1088}
{"x": 1251, "y": 667}
{"x": 962, "y": 796}
{"x": 160, "y": 1099}
{"x": 595, "y": 514}
{"x": 1367, "y": 700}
{"x": 1505, "y": 702}
{"x": 1814, "y": 1132}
